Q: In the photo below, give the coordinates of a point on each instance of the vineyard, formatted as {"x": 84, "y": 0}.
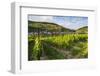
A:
{"x": 50, "y": 41}
{"x": 69, "y": 46}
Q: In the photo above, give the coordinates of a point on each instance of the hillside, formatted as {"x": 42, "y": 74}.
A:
{"x": 82, "y": 30}
{"x": 47, "y": 27}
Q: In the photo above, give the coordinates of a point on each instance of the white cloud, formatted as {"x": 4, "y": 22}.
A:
{"x": 41, "y": 18}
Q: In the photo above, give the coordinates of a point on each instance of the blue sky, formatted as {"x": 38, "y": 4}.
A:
{"x": 72, "y": 22}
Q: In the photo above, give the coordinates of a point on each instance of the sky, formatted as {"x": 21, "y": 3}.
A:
{"x": 72, "y": 22}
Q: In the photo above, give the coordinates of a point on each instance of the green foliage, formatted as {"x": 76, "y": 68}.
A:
{"x": 74, "y": 44}
{"x": 52, "y": 53}
{"x": 37, "y": 48}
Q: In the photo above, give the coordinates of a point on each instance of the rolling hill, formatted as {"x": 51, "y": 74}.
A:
{"x": 45, "y": 27}
{"x": 82, "y": 30}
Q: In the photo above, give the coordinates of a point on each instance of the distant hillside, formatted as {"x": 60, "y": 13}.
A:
{"x": 46, "y": 26}
{"x": 82, "y": 30}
